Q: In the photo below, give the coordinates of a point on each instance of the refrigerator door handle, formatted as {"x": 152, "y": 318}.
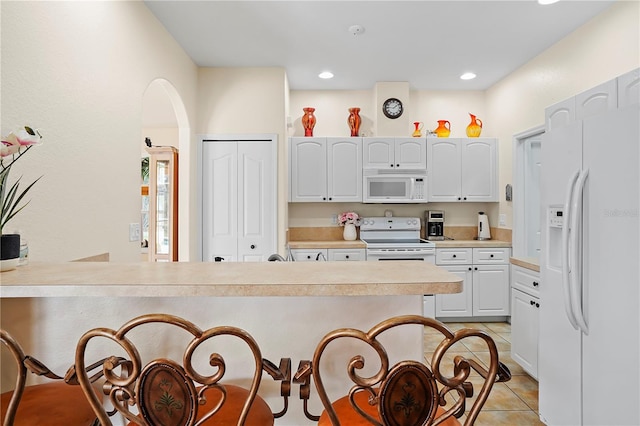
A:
{"x": 576, "y": 283}
{"x": 568, "y": 305}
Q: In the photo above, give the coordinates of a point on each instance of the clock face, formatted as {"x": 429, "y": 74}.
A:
{"x": 392, "y": 108}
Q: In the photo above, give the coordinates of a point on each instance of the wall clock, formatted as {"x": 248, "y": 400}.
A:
{"x": 392, "y": 108}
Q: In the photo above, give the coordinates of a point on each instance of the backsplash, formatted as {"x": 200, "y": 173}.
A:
{"x": 334, "y": 233}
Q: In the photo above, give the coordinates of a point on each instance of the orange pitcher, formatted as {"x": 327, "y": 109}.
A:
{"x": 418, "y": 131}
{"x": 475, "y": 127}
{"x": 444, "y": 129}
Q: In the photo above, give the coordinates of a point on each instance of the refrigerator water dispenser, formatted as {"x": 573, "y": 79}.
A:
{"x": 555, "y": 222}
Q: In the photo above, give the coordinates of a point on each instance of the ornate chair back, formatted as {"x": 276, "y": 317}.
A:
{"x": 408, "y": 393}
{"x": 171, "y": 393}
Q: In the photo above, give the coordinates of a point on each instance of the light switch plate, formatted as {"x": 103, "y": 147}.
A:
{"x": 134, "y": 232}
{"x": 502, "y": 220}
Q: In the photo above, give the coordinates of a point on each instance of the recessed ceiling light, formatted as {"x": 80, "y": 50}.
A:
{"x": 468, "y": 76}
{"x": 544, "y": 2}
{"x": 325, "y": 74}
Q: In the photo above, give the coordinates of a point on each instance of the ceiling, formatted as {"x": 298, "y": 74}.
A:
{"x": 426, "y": 43}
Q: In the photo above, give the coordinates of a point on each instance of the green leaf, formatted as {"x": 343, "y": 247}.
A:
{"x": 29, "y": 130}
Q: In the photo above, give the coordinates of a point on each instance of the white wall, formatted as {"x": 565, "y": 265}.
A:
{"x": 78, "y": 72}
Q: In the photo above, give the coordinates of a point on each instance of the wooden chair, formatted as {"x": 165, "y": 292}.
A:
{"x": 409, "y": 392}
{"x": 54, "y": 403}
{"x": 169, "y": 393}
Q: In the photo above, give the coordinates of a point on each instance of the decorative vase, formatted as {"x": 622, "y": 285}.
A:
{"x": 444, "y": 129}
{"x": 418, "y": 130}
{"x": 9, "y": 251}
{"x": 475, "y": 127}
{"x": 349, "y": 233}
{"x": 354, "y": 121}
{"x": 308, "y": 121}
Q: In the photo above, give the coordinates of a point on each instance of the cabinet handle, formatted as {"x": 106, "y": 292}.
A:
{"x": 469, "y": 267}
{"x": 536, "y": 283}
{"x": 532, "y": 302}
{"x": 397, "y": 165}
{"x": 475, "y": 269}
{"x": 324, "y": 198}
{"x": 454, "y": 256}
{"x": 346, "y": 257}
{"x": 330, "y": 198}
{"x": 465, "y": 198}
{"x": 253, "y": 246}
{"x": 391, "y": 165}
{"x": 537, "y": 305}
{"x": 491, "y": 256}
{"x": 459, "y": 198}
{"x": 308, "y": 256}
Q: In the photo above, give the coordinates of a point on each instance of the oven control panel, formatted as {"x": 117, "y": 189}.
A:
{"x": 390, "y": 223}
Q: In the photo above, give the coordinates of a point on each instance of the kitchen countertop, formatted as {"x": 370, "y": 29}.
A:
{"x": 360, "y": 244}
{"x": 531, "y": 263}
{"x": 333, "y": 244}
{"x": 471, "y": 243}
{"x": 193, "y": 279}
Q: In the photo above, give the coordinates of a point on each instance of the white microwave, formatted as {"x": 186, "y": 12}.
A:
{"x": 381, "y": 186}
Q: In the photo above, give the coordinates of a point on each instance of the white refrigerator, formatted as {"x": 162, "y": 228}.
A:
{"x": 589, "y": 349}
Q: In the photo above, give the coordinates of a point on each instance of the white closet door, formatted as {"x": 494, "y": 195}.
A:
{"x": 256, "y": 202}
{"x": 239, "y": 220}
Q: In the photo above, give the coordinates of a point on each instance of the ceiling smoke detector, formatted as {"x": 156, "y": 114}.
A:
{"x": 356, "y": 29}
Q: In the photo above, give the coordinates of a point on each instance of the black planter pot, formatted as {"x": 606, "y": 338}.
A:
{"x": 9, "y": 246}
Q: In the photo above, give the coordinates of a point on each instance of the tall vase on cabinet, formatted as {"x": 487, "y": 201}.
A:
{"x": 349, "y": 233}
{"x": 354, "y": 121}
{"x": 308, "y": 121}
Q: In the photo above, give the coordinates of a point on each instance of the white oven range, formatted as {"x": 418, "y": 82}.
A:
{"x": 398, "y": 238}
{"x": 395, "y": 238}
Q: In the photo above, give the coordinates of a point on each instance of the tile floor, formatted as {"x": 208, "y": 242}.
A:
{"x": 512, "y": 403}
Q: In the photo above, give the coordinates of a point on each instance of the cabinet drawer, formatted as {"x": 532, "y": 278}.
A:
{"x": 347, "y": 254}
{"x": 487, "y": 256}
{"x": 525, "y": 280}
{"x": 311, "y": 255}
{"x": 454, "y": 256}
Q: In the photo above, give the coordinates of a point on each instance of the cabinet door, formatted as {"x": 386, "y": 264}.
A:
{"x": 344, "y": 169}
{"x": 378, "y": 153}
{"x": 348, "y": 255}
{"x": 629, "y": 88}
{"x": 458, "y": 304}
{"x": 308, "y": 169}
{"x": 411, "y": 153}
{"x": 525, "y": 312}
{"x": 454, "y": 256}
{"x": 479, "y": 167}
{"x": 443, "y": 166}
{"x": 491, "y": 290}
{"x": 597, "y": 100}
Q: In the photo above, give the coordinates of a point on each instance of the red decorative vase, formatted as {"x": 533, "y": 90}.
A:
{"x": 308, "y": 121}
{"x": 354, "y": 121}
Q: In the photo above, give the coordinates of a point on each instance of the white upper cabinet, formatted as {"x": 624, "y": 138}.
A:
{"x": 394, "y": 153}
{"x": 629, "y": 88}
{"x": 325, "y": 169}
{"x": 462, "y": 169}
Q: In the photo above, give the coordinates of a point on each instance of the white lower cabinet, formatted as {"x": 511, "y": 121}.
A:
{"x": 485, "y": 274}
{"x": 525, "y": 313}
{"x": 320, "y": 254}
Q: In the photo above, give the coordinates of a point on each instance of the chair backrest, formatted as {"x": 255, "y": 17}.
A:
{"x": 411, "y": 392}
{"x": 164, "y": 391}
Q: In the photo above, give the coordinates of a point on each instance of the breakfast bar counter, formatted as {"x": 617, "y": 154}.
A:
{"x": 286, "y": 306}
{"x": 184, "y": 279}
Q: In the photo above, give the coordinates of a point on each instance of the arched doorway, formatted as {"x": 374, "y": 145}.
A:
{"x": 165, "y": 123}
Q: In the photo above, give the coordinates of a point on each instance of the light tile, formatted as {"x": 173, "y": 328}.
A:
{"x": 508, "y": 418}
{"x": 526, "y": 388}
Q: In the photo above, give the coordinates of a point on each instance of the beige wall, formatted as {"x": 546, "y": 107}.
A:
{"x": 78, "y": 71}
{"x": 600, "y": 50}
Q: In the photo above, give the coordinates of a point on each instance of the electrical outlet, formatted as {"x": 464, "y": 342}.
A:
{"x": 502, "y": 220}
{"x": 334, "y": 219}
{"x": 134, "y": 232}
